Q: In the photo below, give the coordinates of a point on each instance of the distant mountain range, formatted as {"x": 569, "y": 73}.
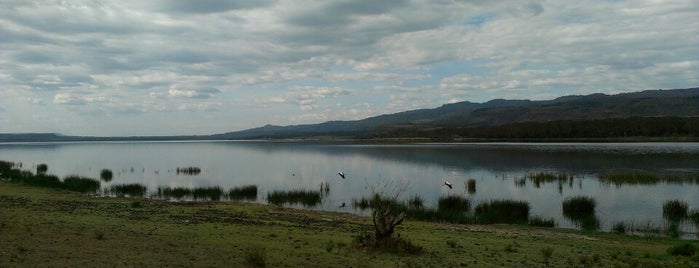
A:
{"x": 461, "y": 115}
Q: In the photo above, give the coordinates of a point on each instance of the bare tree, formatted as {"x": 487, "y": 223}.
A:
{"x": 386, "y": 211}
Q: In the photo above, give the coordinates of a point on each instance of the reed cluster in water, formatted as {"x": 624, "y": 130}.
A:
{"x": 308, "y": 198}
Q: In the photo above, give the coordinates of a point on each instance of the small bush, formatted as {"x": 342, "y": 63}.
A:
{"x": 686, "y": 249}
{"x": 106, "y": 175}
{"x": 255, "y": 257}
{"x": 675, "y": 210}
{"x": 619, "y": 227}
{"x": 42, "y": 168}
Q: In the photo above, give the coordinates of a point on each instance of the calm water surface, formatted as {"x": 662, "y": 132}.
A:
{"x": 494, "y": 166}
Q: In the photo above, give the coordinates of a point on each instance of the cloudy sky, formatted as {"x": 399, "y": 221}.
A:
{"x": 206, "y": 66}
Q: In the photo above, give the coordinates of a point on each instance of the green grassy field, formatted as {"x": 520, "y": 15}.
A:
{"x": 47, "y": 227}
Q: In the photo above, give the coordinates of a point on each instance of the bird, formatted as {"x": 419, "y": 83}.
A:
{"x": 343, "y": 205}
{"x": 342, "y": 174}
{"x": 447, "y": 183}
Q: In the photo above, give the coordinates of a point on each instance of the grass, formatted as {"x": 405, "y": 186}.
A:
{"x": 675, "y": 210}
{"x": 686, "y": 249}
{"x": 416, "y": 202}
{"x": 541, "y": 222}
{"x": 307, "y": 198}
{"x": 132, "y": 190}
{"x": 546, "y": 177}
{"x": 454, "y": 202}
{"x": 578, "y": 207}
{"x": 212, "y": 193}
{"x": 619, "y": 227}
{"x": 81, "y": 184}
{"x": 246, "y": 192}
{"x": 503, "y": 211}
{"x": 58, "y": 228}
{"x": 174, "y": 192}
{"x": 643, "y": 178}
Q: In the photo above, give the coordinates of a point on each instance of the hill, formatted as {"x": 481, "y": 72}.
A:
{"x": 675, "y": 112}
{"x": 494, "y": 113}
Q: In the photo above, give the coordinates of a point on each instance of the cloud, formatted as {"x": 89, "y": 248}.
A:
{"x": 201, "y": 93}
{"x": 307, "y": 97}
{"x": 324, "y": 58}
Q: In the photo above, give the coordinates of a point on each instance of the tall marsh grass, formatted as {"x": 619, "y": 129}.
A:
{"x": 644, "y": 178}
{"x": 307, "y": 198}
{"x": 579, "y": 207}
{"x": 106, "y": 175}
{"x": 81, "y": 184}
{"x": 502, "y": 211}
{"x": 132, "y": 190}
{"x": 454, "y": 202}
{"x": 246, "y": 192}
{"x": 675, "y": 210}
{"x": 546, "y": 177}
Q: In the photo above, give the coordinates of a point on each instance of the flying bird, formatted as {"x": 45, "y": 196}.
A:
{"x": 342, "y": 174}
{"x": 447, "y": 183}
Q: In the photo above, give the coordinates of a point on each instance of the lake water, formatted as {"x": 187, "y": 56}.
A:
{"x": 496, "y": 168}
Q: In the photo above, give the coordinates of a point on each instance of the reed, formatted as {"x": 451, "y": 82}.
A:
{"x": 106, "y": 175}
{"x": 325, "y": 188}
{"x": 454, "y": 202}
{"x": 416, "y": 202}
{"x": 675, "y": 210}
{"x": 546, "y": 177}
{"x": 43, "y": 180}
{"x": 42, "y": 168}
{"x": 471, "y": 186}
{"x": 579, "y": 207}
{"x": 188, "y": 170}
{"x": 132, "y": 190}
{"x": 174, "y": 192}
{"x": 81, "y": 184}
{"x": 541, "y": 222}
{"x": 246, "y": 192}
{"x": 307, "y": 198}
{"x": 212, "y": 193}
{"x": 502, "y": 211}
{"x": 694, "y": 217}
{"x": 619, "y": 227}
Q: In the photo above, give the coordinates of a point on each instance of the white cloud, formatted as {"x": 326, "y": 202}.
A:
{"x": 160, "y": 59}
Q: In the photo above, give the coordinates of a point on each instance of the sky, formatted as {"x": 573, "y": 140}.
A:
{"x": 190, "y": 67}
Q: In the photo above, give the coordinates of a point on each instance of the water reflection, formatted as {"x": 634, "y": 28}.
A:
{"x": 480, "y": 172}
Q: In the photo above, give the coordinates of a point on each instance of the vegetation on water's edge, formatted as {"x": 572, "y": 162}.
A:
{"x": 246, "y": 192}
{"x": 188, "y": 170}
{"x": 42, "y": 227}
{"x": 132, "y": 190}
{"x": 307, "y": 198}
{"x": 624, "y": 129}
{"x": 644, "y": 178}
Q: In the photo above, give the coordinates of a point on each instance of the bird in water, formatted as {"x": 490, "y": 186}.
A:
{"x": 342, "y": 174}
{"x": 447, "y": 183}
{"x": 343, "y": 205}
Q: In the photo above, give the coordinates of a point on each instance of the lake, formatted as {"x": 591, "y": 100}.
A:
{"x": 497, "y": 168}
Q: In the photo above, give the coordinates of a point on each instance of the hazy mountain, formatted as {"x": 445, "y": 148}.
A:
{"x": 498, "y": 112}
{"x": 650, "y": 103}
